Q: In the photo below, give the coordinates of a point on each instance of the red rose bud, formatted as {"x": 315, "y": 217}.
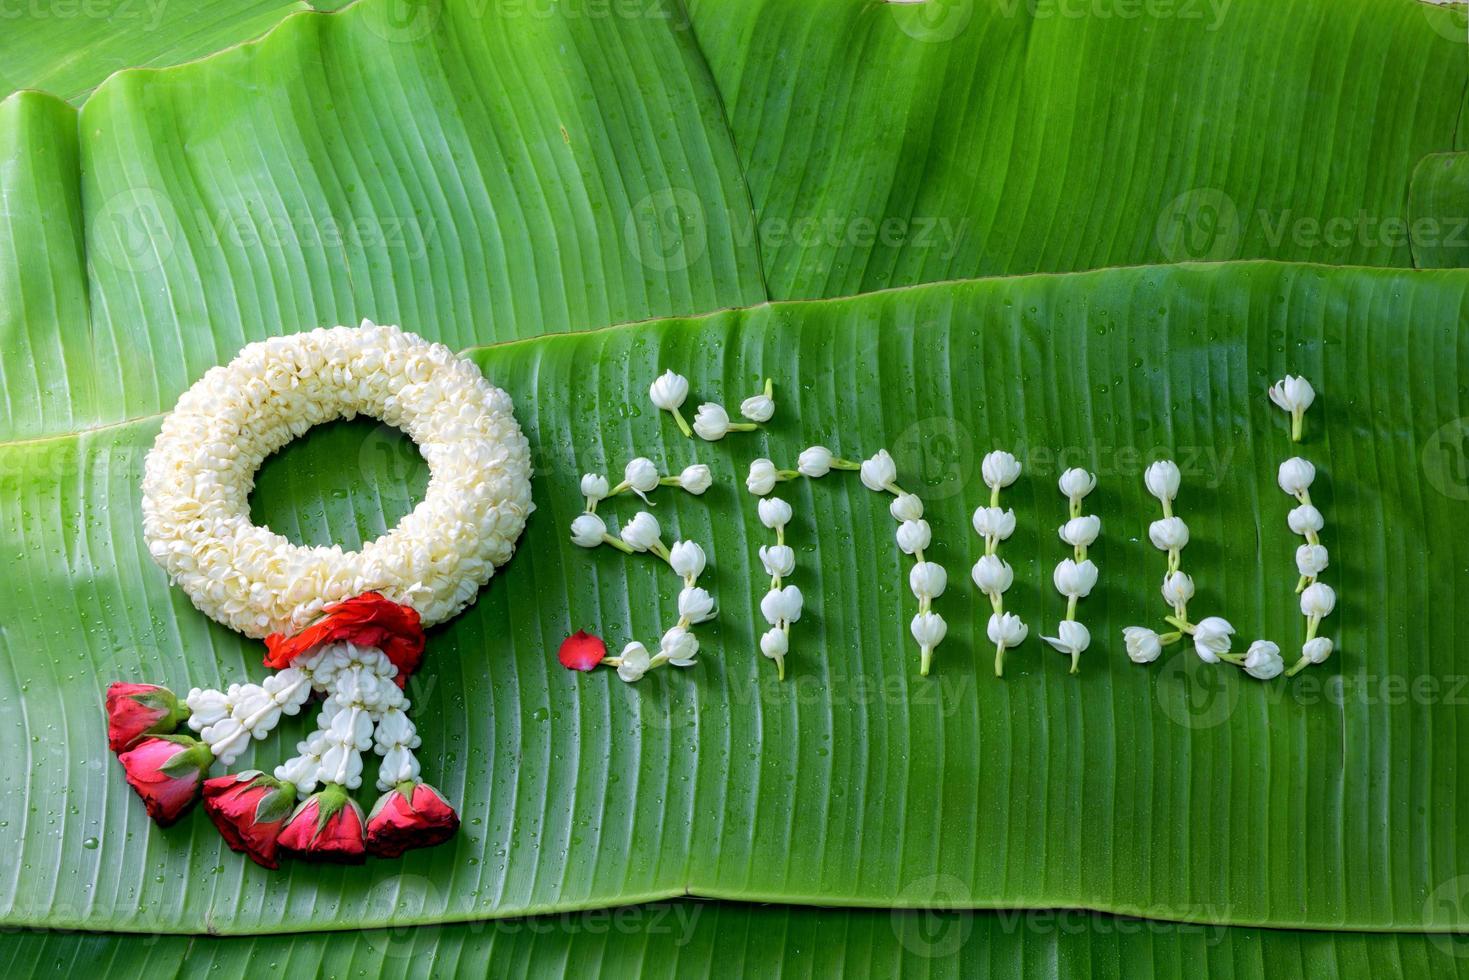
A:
{"x": 407, "y": 816}
{"x": 327, "y": 826}
{"x": 250, "y": 808}
{"x": 368, "y": 620}
{"x": 167, "y": 771}
{"x": 135, "y": 710}
{"x": 581, "y": 651}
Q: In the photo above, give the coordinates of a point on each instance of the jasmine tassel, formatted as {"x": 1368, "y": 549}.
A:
{"x": 991, "y": 574}
{"x": 1075, "y": 577}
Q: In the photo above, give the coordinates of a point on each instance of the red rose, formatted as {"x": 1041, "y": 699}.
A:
{"x": 368, "y": 620}
{"x": 250, "y": 808}
{"x": 166, "y": 771}
{"x": 327, "y": 826}
{"x": 581, "y": 651}
{"x": 135, "y": 710}
{"x": 407, "y": 816}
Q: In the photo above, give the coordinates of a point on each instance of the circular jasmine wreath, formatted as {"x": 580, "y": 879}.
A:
{"x": 346, "y": 625}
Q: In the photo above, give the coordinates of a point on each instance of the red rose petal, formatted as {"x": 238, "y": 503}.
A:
{"x": 368, "y": 620}
{"x": 581, "y": 651}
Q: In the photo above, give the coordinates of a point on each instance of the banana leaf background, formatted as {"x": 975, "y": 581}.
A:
{"x": 1093, "y": 233}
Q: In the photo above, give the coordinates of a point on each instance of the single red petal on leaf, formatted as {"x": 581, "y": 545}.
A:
{"x": 581, "y": 651}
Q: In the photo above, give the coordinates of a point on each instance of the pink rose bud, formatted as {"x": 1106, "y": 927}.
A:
{"x": 167, "y": 771}
{"x": 327, "y": 826}
{"x": 407, "y": 816}
{"x": 135, "y": 710}
{"x": 250, "y": 808}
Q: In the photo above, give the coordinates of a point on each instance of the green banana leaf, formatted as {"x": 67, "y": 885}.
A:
{"x": 69, "y": 48}
{"x": 487, "y": 173}
{"x": 893, "y": 143}
{"x": 1178, "y": 791}
{"x": 683, "y": 939}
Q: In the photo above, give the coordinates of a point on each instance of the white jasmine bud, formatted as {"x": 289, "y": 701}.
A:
{"x": 993, "y": 575}
{"x": 642, "y": 532}
{"x": 1143, "y": 645}
{"x": 634, "y": 662}
{"x": 928, "y": 580}
{"x": 669, "y": 391}
{"x": 1296, "y": 475}
{"x": 879, "y": 472}
{"x": 1318, "y": 600}
{"x": 906, "y": 507}
{"x": 758, "y": 408}
{"x": 695, "y": 479}
{"x": 687, "y": 559}
{"x": 929, "y": 630}
{"x": 1305, "y": 519}
{"x": 774, "y": 643}
{"x": 641, "y": 475}
{"x": 1006, "y": 630}
{"x": 992, "y": 522}
{"x": 1311, "y": 560}
{"x": 1293, "y": 394}
{"x": 763, "y": 477}
{"x": 207, "y": 708}
{"x": 711, "y": 422}
{"x": 779, "y": 560}
{"x": 1081, "y": 532}
{"x": 781, "y": 605}
{"x": 1168, "y": 534}
{"x": 1262, "y": 660}
{"x": 594, "y": 487}
{"x": 679, "y": 646}
{"x": 1316, "y": 650}
{"x": 1076, "y": 483}
{"x": 1178, "y": 589}
{"x": 1212, "y": 636}
{"x": 914, "y": 536}
{"x": 814, "y": 462}
{"x": 999, "y": 469}
{"x": 301, "y": 772}
{"x": 1073, "y": 580}
{"x": 775, "y": 513}
{"x": 1071, "y": 637}
{"x": 587, "y": 530}
{"x": 695, "y": 604}
{"x": 1162, "y": 479}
